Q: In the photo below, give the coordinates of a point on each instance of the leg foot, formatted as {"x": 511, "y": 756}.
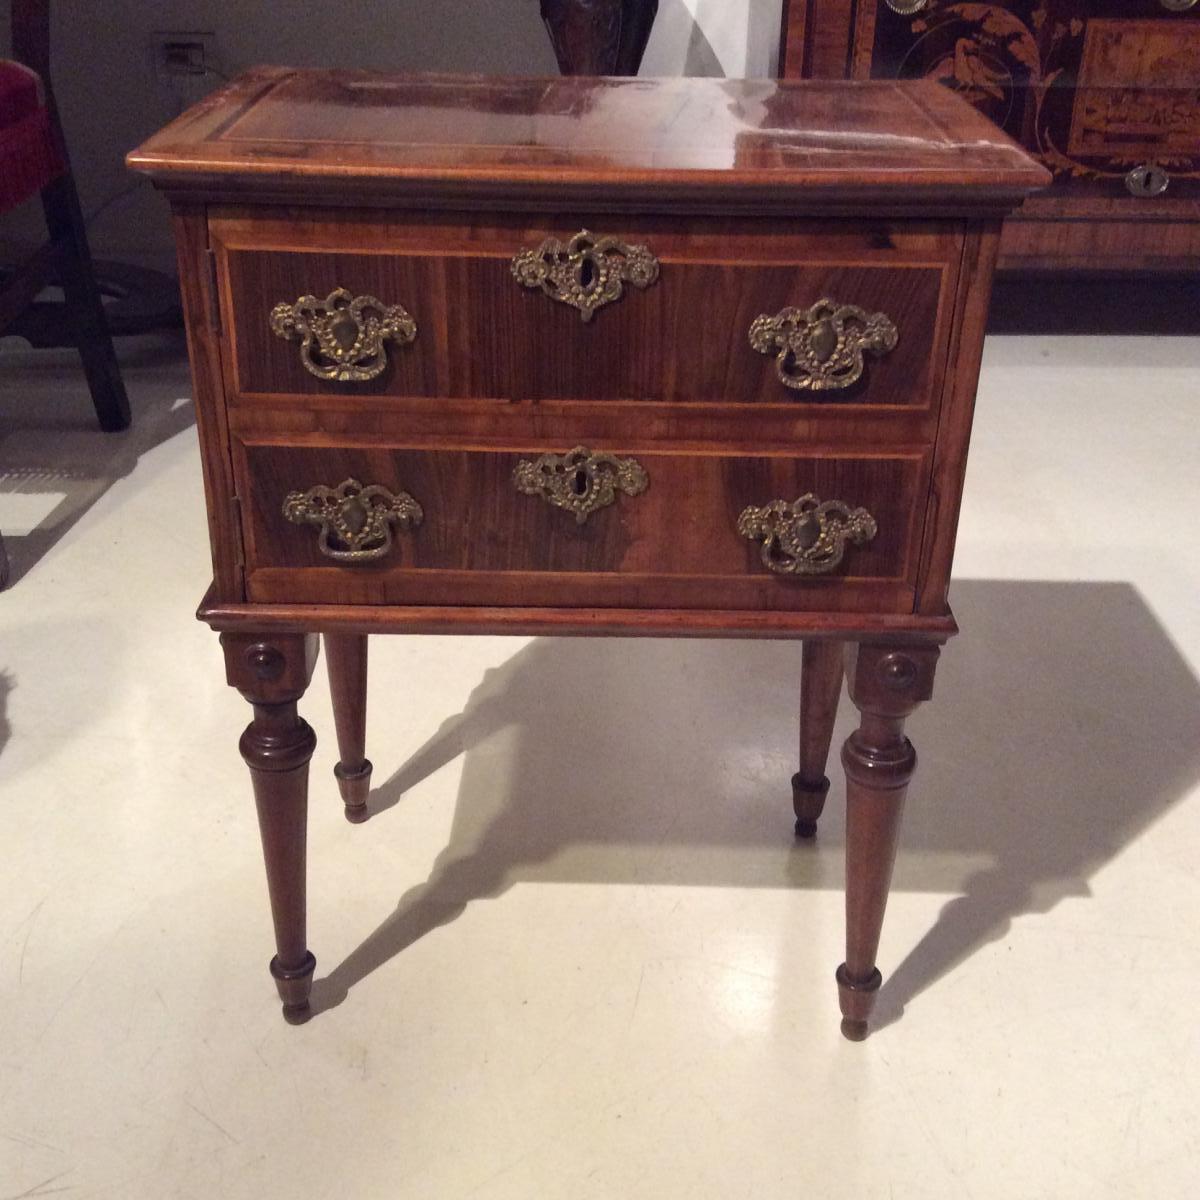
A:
{"x": 354, "y": 786}
{"x": 808, "y": 802}
{"x": 294, "y": 985}
{"x": 886, "y": 684}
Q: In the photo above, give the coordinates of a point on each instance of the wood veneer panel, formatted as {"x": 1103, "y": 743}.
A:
{"x": 191, "y": 244}
{"x": 469, "y": 141}
{"x": 676, "y": 544}
{"x": 683, "y": 339}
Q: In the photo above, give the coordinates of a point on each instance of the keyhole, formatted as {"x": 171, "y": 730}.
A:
{"x": 579, "y": 482}
{"x": 1147, "y": 180}
{"x": 587, "y": 272}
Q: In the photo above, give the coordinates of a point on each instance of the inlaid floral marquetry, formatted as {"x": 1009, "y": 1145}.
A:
{"x": 807, "y": 536}
{"x": 587, "y": 272}
{"x": 355, "y": 521}
{"x": 343, "y": 337}
{"x": 580, "y": 481}
{"x": 824, "y": 347}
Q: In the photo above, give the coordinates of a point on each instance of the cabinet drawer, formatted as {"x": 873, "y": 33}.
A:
{"x": 482, "y": 333}
{"x": 473, "y": 526}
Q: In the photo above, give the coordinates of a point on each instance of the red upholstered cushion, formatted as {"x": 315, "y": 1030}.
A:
{"x": 29, "y": 157}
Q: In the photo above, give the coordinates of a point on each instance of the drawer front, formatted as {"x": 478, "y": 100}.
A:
{"x": 484, "y": 334}
{"x": 1105, "y": 92}
{"x": 472, "y": 526}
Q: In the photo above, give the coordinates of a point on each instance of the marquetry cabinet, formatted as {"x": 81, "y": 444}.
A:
{"x": 1105, "y": 93}
{"x": 585, "y": 356}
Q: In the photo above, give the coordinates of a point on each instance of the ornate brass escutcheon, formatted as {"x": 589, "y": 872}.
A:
{"x": 808, "y": 536}
{"x": 342, "y": 337}
{"x": 822, "y": 348}
{"x": 355, "y": 521}
{"x": 580, "y": 481}
{"x": 587, "y": 272}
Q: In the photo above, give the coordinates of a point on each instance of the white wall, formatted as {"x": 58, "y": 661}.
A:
{"x": 110, "y": 99}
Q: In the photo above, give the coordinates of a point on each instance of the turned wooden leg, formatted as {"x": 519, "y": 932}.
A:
{"x": 272, "y": 673}
{"x": 820, "y": 689}
{"x": 886, "y": 683}
{"x": 346, "y": 660}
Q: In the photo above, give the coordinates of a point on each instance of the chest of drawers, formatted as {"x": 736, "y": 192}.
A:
{"x": 580, "y": 356}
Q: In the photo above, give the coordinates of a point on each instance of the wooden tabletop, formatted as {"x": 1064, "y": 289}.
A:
{"x": 767, "y": 145}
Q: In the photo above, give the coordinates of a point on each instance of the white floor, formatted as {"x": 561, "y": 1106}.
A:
{"x": 579, "y": 955}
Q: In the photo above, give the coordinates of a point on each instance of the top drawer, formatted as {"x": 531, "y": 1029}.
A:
{"x": 679, "y": 333}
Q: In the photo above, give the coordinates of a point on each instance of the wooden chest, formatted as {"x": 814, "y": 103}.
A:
{"x": 574, "y": 356}
{"x": 1105, "y": 93}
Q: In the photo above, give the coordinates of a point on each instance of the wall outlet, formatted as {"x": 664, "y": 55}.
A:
{"x": 178, "y": 54}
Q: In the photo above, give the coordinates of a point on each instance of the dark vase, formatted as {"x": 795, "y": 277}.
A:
{"x": 599, "y": 37}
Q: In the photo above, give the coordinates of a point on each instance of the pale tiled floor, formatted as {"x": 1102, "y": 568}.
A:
{"x": 578, "y": 955}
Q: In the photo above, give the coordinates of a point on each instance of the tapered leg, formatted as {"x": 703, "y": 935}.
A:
{"x": 820, "y": 689}
{"x": 886, "y": 683}
{"x": 346, "y": 660}
{"x": 272, "y": 673}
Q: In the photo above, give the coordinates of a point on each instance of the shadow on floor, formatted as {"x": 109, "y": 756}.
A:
{"x": 51, "y": 447}
{"x": 1063, "y": 724}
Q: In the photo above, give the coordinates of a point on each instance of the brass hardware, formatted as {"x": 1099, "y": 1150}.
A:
{"x": 1177, "y": 5}
{"x": 587, "y": 272}
{"x": 1147, "y": 180}
{"x": 806, "y": 537}
{"x": 342, "y": 336}
{"x": 821, "y": 348}
{"x": 580, "y": 481}
{"x": 355, "y": 521}
{"x": 906, "y": 8}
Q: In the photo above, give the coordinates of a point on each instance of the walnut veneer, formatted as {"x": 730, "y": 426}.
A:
{"x": 738, "y": 405}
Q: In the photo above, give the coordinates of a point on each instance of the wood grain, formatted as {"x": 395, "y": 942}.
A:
{"x": 754, "y": 197}
{"x": 474, "y": 142}
{"x": 484, "y": 542}
{"x": 208, "y": 393}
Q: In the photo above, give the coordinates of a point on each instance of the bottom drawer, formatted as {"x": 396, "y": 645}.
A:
{"x": 617, "y": 526}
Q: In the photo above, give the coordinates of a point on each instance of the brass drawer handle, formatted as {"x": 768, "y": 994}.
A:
{"x": 806, "y": 537}
{"x": 587, "y": 272}
{"x": 821, "y": 348}
{"x": 342, "y": 337}
{"x": 1147, "y": 180}
{"x": 906, "y": 8}
{"x": 355, "y": 521}
{"x": 580, "y": 481}
{"x": 1177, "y": 5}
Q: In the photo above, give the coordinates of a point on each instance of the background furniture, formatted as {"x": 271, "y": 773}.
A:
{"x": 430, "y": 400}
{"x": 1105, "y": 93}
{"x": 33, "y": 158}
{"x": 599, "y": 37}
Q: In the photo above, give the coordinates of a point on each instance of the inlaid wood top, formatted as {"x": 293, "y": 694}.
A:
{"x": 724, "y": 144}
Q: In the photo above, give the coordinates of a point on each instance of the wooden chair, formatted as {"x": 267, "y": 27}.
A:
{"x": 33, "y": 158}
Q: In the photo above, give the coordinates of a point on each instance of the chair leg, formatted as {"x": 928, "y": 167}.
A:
{"x": 85, "y": 310}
